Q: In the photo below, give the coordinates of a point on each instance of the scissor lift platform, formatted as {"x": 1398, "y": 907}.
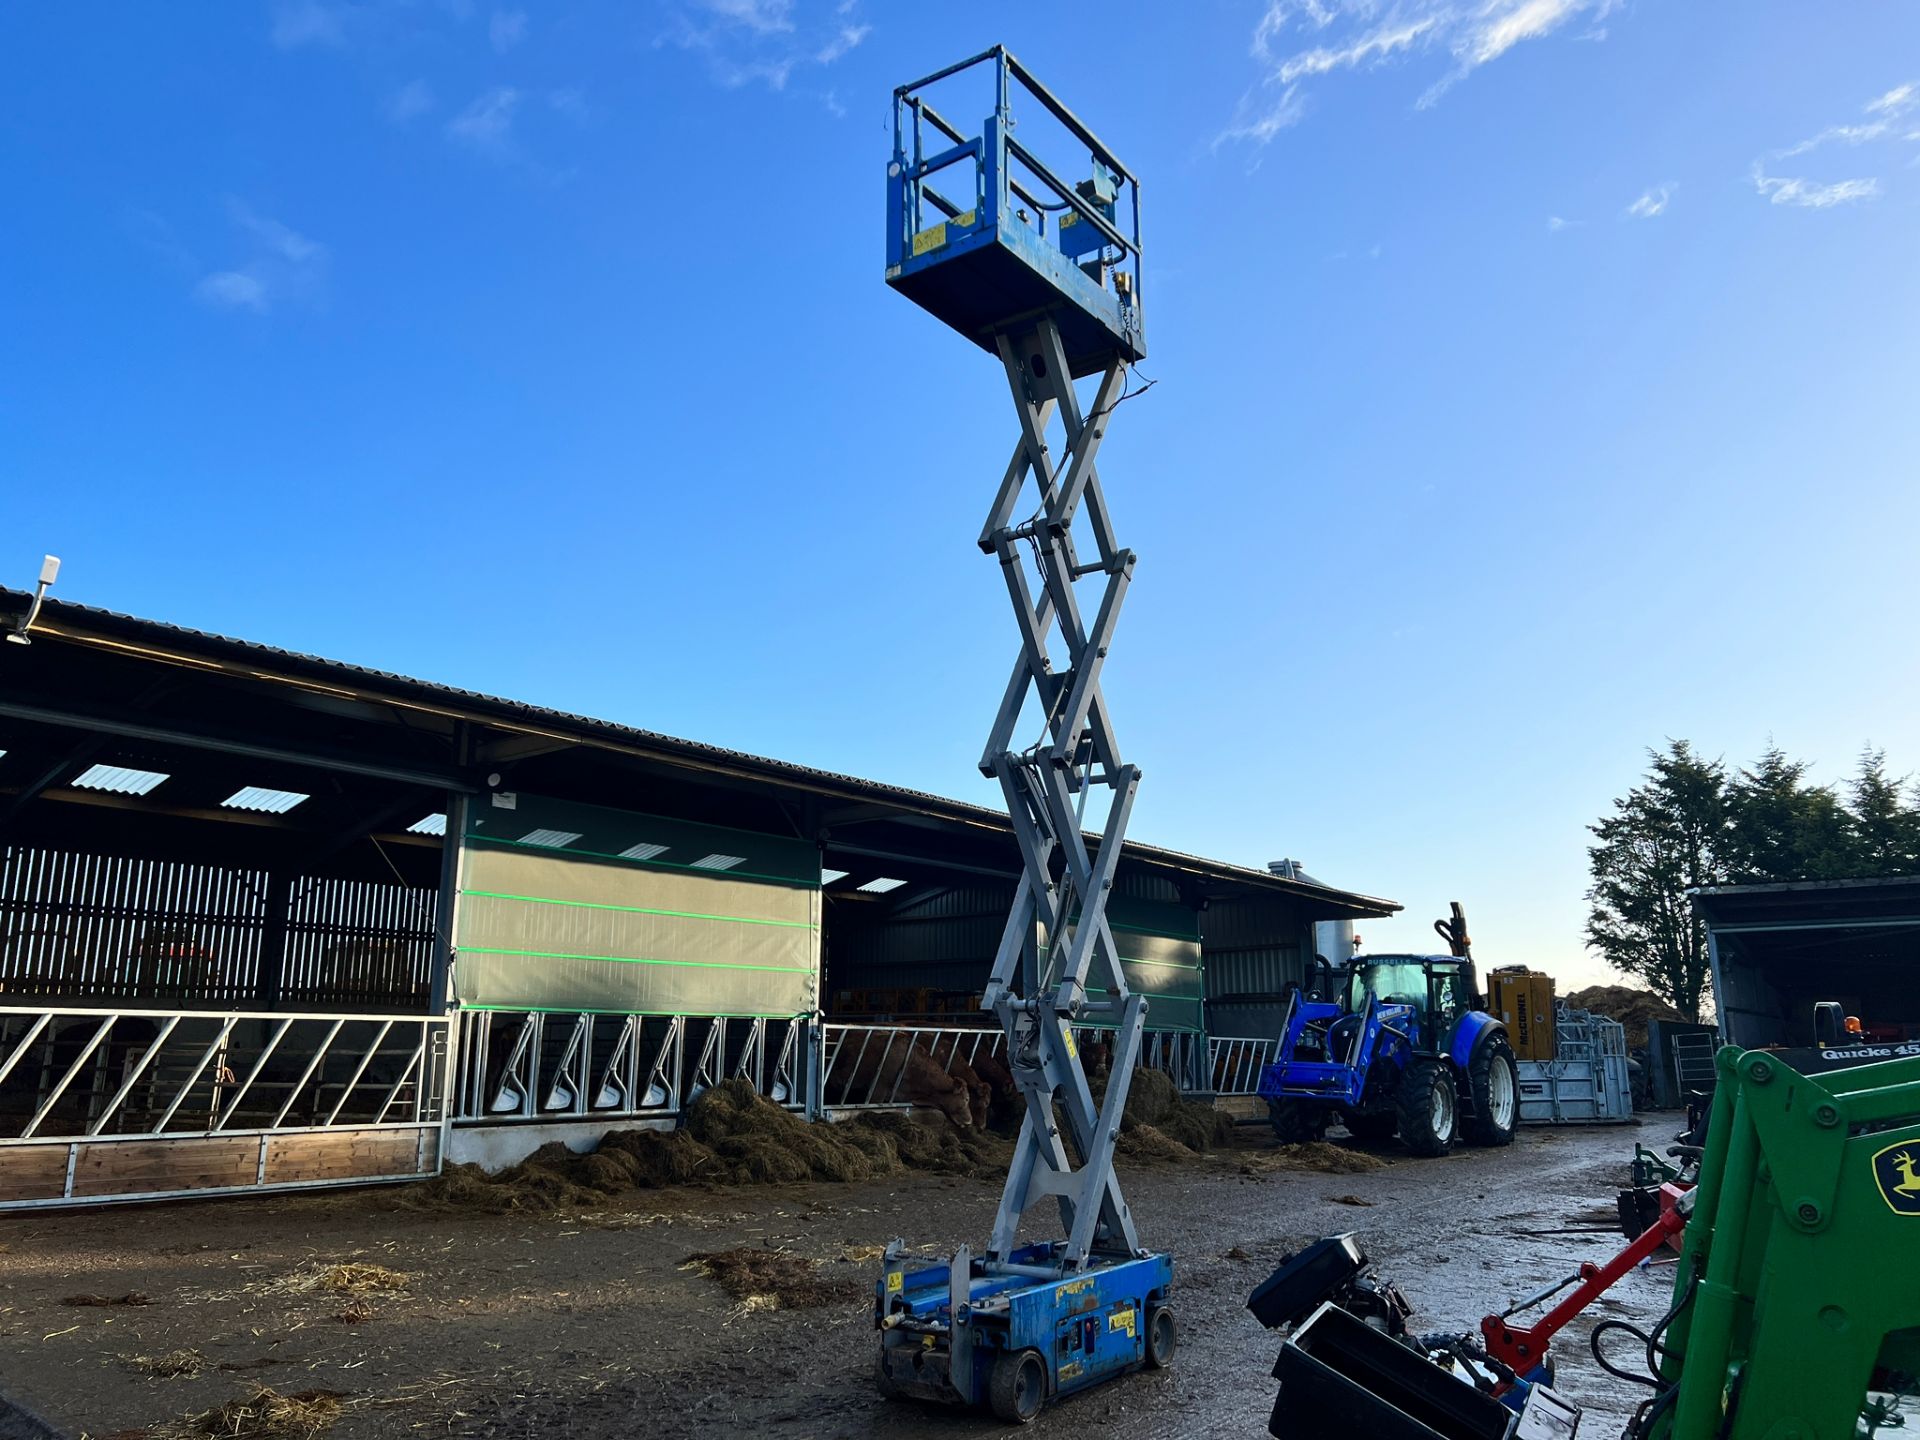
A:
{"x": 1020, "y": 1339}
{"x": 1044, "y": 275}
{"x": 1007, "y": 240}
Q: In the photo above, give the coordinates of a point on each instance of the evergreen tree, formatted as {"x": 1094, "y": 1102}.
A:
{"x": 1885, "y": 831}
{"x": 1664, "y": 838}
{"x": 1779, "y": 827}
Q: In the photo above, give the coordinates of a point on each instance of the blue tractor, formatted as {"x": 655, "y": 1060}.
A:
{"x": 1395, "y": 1044}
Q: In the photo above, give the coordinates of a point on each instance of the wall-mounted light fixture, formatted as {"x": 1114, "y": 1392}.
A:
{"x": 49, "y": 572}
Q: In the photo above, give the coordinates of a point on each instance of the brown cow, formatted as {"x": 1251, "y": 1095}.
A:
{"x": 1004, "y": 1095}
{"x": 946, "y": 1051}
{"x": 901, "y": 1074}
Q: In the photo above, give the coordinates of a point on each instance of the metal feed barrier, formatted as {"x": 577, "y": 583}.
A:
{"x": 519, "y": 1066}
{"x": 846, "y": 1083}
{"x": 103, "y": 1105}
{"x": 1235, "y": 1062}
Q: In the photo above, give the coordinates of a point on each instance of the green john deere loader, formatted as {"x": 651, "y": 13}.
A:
{"x": 1795, "y": 1312}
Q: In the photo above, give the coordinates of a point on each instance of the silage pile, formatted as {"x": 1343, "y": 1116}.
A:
{"x": 732, "y": 1136}
{"x": 1160, "y": 1124}
{"x": 1632, "y": 1008}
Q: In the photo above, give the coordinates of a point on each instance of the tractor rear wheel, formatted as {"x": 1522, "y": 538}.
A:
{"x": 1296, "y": 1122}
{"x": 1429, "y": 1109}
{"x": 1373, "y": 1126}
{"x": 1493, "y": 1080}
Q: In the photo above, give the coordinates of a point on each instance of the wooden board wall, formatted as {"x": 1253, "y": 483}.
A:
{"x": 348, "y": 1155}
{"x": 221, "y": 1162}
{"x": 33, "y": 1172}
{"x": 137, "y": 1167}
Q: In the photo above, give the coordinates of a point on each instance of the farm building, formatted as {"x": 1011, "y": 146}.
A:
{"x": 268, "y": 920}
{"x": 1779, "y": 949}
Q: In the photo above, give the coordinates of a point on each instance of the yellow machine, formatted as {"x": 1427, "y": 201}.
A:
{"x": 1524, "y": 999}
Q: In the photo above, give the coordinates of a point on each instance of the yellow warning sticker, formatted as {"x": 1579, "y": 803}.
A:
{"x": 1073, "y": 1050}
{"x": 934, "y": 236}
{"x": 894, "y": 1279}
{"x": 1122, "y": 1320}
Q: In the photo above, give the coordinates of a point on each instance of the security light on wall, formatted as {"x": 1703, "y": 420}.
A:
{"x": 49, "y": 572}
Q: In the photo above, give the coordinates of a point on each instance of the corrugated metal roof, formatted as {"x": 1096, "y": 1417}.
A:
{"x": 67, "y": 620}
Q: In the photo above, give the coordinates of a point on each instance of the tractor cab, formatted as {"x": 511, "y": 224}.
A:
{"x": 1434, "y": 991}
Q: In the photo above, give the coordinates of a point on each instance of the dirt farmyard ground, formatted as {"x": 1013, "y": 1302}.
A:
{"x": 589, "y": 1322}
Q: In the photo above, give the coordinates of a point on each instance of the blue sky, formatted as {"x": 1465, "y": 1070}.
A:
{"x": 1536, "y": 381}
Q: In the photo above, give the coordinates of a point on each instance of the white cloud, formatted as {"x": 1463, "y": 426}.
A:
{"x": 1556, "y": 223}
{"x": 569, "y": 102}
{"x": 1845, "y": 134}
{"x": 306, "y": 22}
{"x": 1374, "y": 45}
{"x": 1809, "y": 195}
{"x": 279, "y": 240}
{"x": 1498, "y": 31}
{"x": 1652, "y": 202}
{"x": 1889, "y": 107}
{"x": 1897, "y": 101}
{"x": 760, "y": 42}
{"x": 506, "y": 29}
{"x": 1253, "y": 122}
{"x": 284, "y": 265}
{"x": 234, "y": 290}
{"x": 1339, "y": 36}
{"x": 487, "y": 124}
{"x": 412, "y": 99}
{"x": 763, "y": 17}
{"x": 1279, "y": 12}
{"x": 847, "y": 39}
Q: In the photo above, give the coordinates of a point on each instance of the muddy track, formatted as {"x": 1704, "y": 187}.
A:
{"x": 583, "y": 1323}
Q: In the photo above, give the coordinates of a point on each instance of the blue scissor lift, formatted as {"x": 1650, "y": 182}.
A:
{"x": 1044, "y": 274}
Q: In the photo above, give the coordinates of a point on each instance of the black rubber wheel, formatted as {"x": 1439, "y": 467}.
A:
{"x": 1493, "y": 1083}
{"x": 1017, "y": 1388}
{"x": 1375, "y": 1126}
{"x": 1429, "y": 1109}
{"x": 883, "y": 1381}
{"x": 1163, "y": 1338}
{"x": 1296, "y": 1121}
